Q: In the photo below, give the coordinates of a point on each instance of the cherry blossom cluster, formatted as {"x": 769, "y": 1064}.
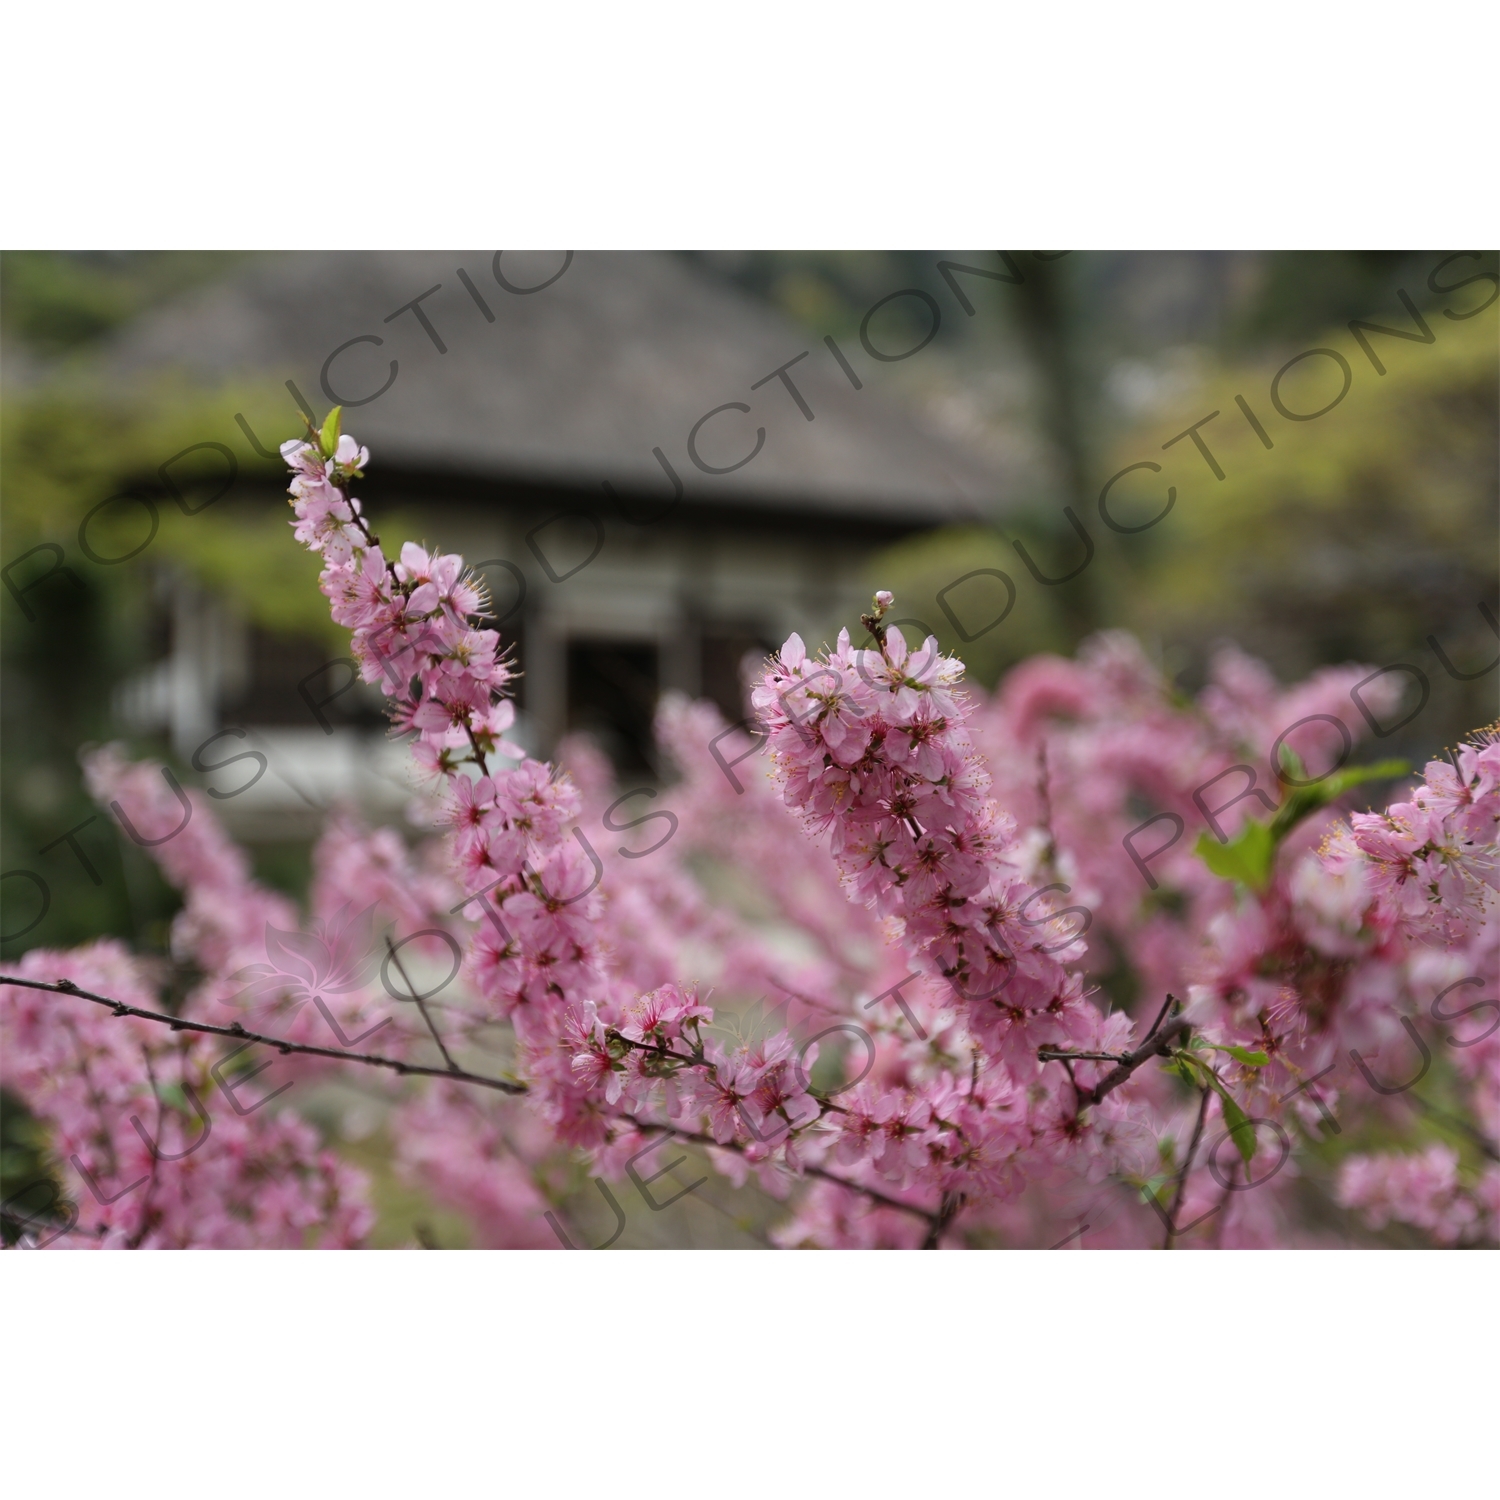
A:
{"x": 872, "y": 746}
{"x": 1423, "y": 1189}
{"x": 240, "y": 942}
{"x": 1430, "y": 865}
{"x": 222, "y": 921}
{"x": 1333, "y": 968}
{"x": 416, "y": 631}
{"x": 849, "y": 962}
{"x": 412, "y": 625}
{"x": 148, "y": 1153}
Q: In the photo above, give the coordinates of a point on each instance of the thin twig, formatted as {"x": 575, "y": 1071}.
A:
{"x": 421, "y": 1006}
{"x": 1072, "y": 1079}
{"x": 1224, "y": 1197}
{"x": 661, "y": 1050}
{"x": 697, "y": 1138}
{"x": 95, "y": 1098}
{"x": 1166, "y": 1005}
{"x": 873, "y": 1193}
{"x": 947, "y": 1210}
{"x": 1187, "y": 1163}
{"x": 282, "y": 1045}
{"x": 144, "y": 1224}
{"x": 1155, "y": 1045}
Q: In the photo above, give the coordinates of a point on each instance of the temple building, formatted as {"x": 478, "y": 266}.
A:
{"x": 656, "y": 473}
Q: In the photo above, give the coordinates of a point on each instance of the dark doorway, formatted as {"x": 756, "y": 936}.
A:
{"x": 724, "y": 649}
{"x": 612, "y": 691}
{"x": 289, "y": 674}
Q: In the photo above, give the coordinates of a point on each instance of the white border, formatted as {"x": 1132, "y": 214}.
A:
{"x": 400, "y": 1373}
{"x": 786, "y": 123}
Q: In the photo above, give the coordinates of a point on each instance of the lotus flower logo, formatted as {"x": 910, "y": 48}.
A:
{"x": 335, "y": 958}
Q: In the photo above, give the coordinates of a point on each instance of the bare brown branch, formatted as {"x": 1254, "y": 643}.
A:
{"x": 282, "y": 1044}
{"x": 1156, "y": 1045}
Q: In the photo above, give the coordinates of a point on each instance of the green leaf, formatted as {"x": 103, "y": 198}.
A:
{"x": 1241, "y": 1054}
{"x": 1303, "y": 800}
{"x": 1383, "y": 770}
{"x": 328, "y": 439}
{"x": 172, "y": 1096}
{"x": 1241, "y": 1131}
{"x": 1153, "y": 1185}
{"x": 1250, "y": 855}
{"x": 1291, "y": 763}
{"x": 1188, "y": 1074}
{"x": 1247, "y": 857}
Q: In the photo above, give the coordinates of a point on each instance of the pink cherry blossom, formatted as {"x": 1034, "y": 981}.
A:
{"x": 892, "y": 952}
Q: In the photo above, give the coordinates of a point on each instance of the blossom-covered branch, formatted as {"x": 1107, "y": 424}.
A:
{"x": 909, "y": 1037}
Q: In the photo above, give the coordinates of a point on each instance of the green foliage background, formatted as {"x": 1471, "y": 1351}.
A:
{"x": 1355, "y": 538}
